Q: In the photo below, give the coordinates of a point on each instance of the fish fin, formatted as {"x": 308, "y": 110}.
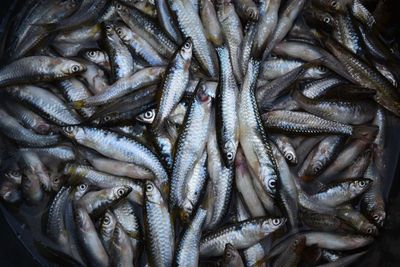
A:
{"x": 79, "y": 104}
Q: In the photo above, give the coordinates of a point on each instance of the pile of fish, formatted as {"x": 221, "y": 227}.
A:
{"x": 186, "y": 133}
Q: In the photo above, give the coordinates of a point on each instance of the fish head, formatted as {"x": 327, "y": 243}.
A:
{"x": 229, "y": 152}
{"x": 118, "y": 235}
{"x": 186, "y": 49}
{"x": 186, "y": 210}
{"x": 152, "y": 194}
{"x": 147, "y": 117}
{"x": 205, "y": 93}
{"x": 231, "y": 255}
{"x": 57, "y": 181}
{"x": 252, "y": 13}
{"x": 120, "y": 192}
{"x": 68, "y": 67}
{"x": 82, "y": 218}
{"x": 315, "y": 168}
{"x": 369, "y": 229}
{"x": 9, "y": 192}
{"x": 378, "y": 217}
{"x": 124, "y": 33}
{"x": 80, "y": 190}
{"x": 320, "y": 20}
{"x": 271, "y": 224}
{"x": 108, "y": 28}
{"x": 360, "y": 185}
{"x": 316, "y": 72}
{"x": 72, "y": 132}
{"x": 270, "y": 181}
{"x": 298, "y": 244}
{"x": 13, "y": 176}
{"x": 108, "y": 223}
{"x": 92, "y": 55}
{"x": 290, "y": 156}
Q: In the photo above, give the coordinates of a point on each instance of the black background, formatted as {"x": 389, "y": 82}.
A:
{"x": 384, "y": 253}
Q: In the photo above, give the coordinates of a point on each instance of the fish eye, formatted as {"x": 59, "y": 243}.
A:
{"x": 148, "y": 114}
{"x": 118, "y": 6}
{"x": 69, "y": 129}
{"x": 229, "y": 155}
{"x": 327, "y": 20}
{"x": 75, "y": 68}
{"x": 82, "y": 187}
{"x": 369, "y": 231}
{"x": 376, "y": 217}
{"x": 107, "y": 118}
{"x": 334, "y": 3}
{"x": 362, "y": 183}
{"x": 106, "y": 220}
{"x": 56, "y": 180}
{"x": 120, "y": 192}
{"x": 289, "y": 156}
{"x": 228, "y": 254}
{"x": 272, "y": 183}
{"x": 316, "y": 169}
{"x": 15, "y": 173}
{"x": 92, "y": 53}
{"x": 108, "y": 28}
{"x": 321, "y": 68}
{"x": 187, "y": 45}
{"x": 276, "y": 221}
{"x": 149, "y": 187}
{"x": 296, "y": 242}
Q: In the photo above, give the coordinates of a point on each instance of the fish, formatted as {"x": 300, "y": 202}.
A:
{"x": 226, "y": 108}
{"x": 242, "y": 235}
{"x": 292, "y": 256}
{"x": 247, "y": 9}
{"x": 257, "y": 149}
{"x": 10, "y": 127}
{"x": 107, "y": 227}
{"x": 386, "y": 94}
{"x": 97, "y": 202}
{"x": 38, "y": 69}
{"x": 190, "y": 144}
{"x": 122, "y": 87}
{"x": 46, "y": 103}
{"x": 187, "y": 250}
{"x": 159, "y": 230}
{"x": 209, "y": 19}
{"x": 121, "y": 251}
{"x": 233, "y": 34}
{"x": 190, "y": 25}
{"x": 174, "y": 83}
{"x": 89, "y": 239}
{"x": 89, "y": 176}
{"x": 139, "y": 46}
{"x": 197, "y": 133}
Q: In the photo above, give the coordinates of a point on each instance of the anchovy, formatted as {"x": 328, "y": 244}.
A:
{"x": 38, "y": 69}
{"x": 159, "y": 230}
{"x": 190, "y": 144}
{"x": 241, "y": 235}
{"x": 190, "y": 25}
